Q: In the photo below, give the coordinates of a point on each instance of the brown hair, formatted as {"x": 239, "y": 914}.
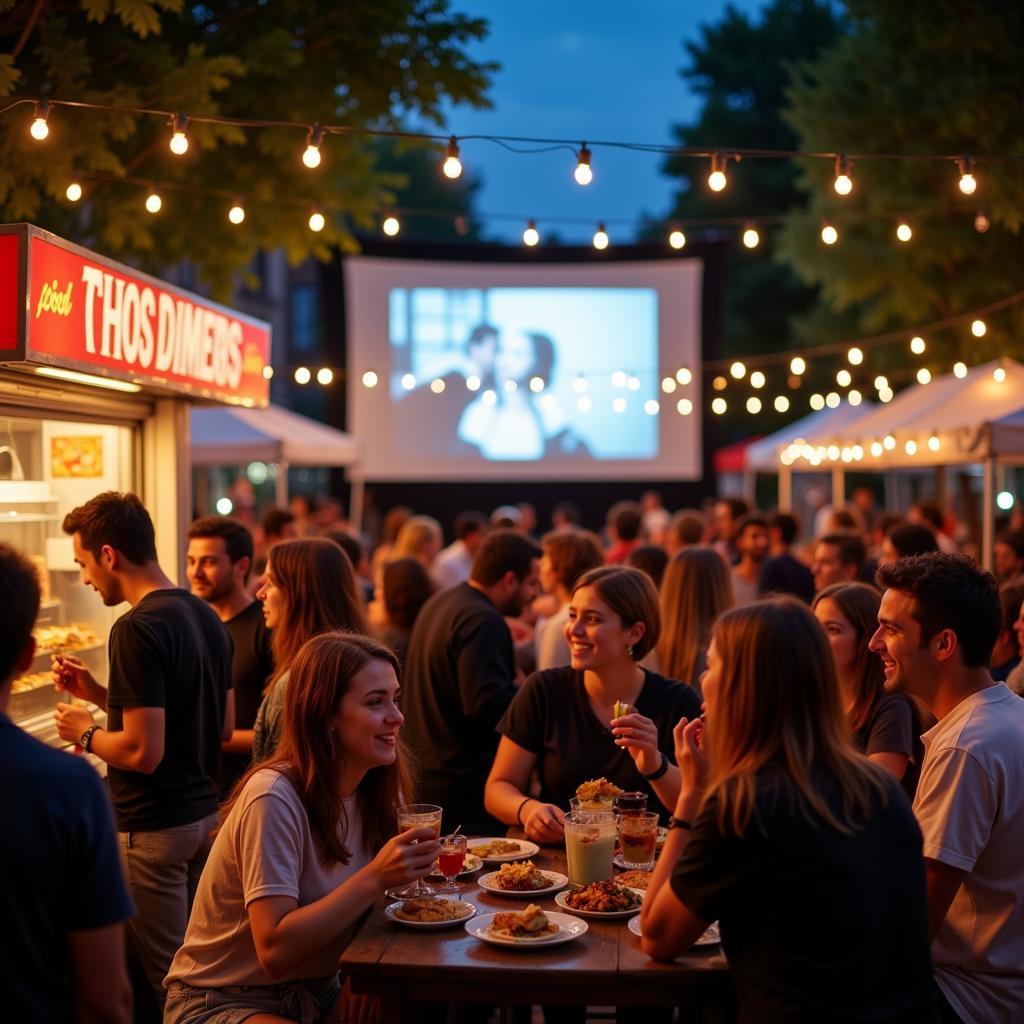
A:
{"x": 571, "y": 554}
{"x": 19, "y": 598}
{"x": 631, "y": 595}
{"x": 119, "y": 521}
{"x": 236, "y": 535}
{"x": 309, "y": 757}
{"x": 320, "y": 594}
{"x": 778, "y": 705}
{"x": 407, "y": 588}
{"x": 697, "y": 589}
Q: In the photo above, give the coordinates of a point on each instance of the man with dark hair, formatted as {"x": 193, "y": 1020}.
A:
{"x": 1008, "y": 556}
{"x": 686, "y": 529}
{"x": 929, "y": 515}
{"x": 650, "y": 559}
{"x": 278, "y": 525}
{"x": 752, "y": 545}
{"x": 353, "y": 547}
{"x": 565, "y": 516}
{"x": 838, "y": 558}
{"x": 452, "y": 566}
{"x": 624, "y": 521}
{"x": 1006, "y": 652}
{"x": 62, "y": 899}
{"x": 782, "y": 573}
{"x": 460, "y": 676}
{"x": 939, "y": 618}
{"x": 169, "y": 706}
{"x": 905, "y": 541}
{"x": 217, "y": 562}
{"x": 725, "y": 517}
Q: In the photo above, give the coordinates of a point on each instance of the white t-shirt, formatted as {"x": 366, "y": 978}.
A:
{"x": 452, "y": 566}
{"x": 264, "y": 848}
{"x": 970, "y": 806}
{"x": 552, "y": 647}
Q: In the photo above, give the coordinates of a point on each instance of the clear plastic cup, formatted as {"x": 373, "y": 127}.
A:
{"x": 590, "y": 846}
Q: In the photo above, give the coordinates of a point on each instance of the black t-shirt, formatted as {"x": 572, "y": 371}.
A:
{"x": 893, "y": 727}
{"x": 816, "y": 925}
{"x": 552, "y": 717}
{"x": 785, "y": 574}
{"x": 457, "y": 683}
{"x": 59, "y": 868}
{"x": 251, "y": 666}
{"x": 170, "y": 651}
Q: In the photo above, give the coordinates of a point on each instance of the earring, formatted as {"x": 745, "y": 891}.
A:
{"x": 629, "y": 650}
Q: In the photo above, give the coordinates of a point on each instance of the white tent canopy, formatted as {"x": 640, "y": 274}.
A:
{"x": 763, "y": 456}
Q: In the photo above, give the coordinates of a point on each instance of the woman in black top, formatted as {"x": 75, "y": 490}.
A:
{"x": 561, "y": 720}
{"x": 804, "y": 851}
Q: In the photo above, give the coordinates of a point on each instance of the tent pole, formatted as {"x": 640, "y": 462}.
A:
{"x": 356, "y": 498}
{"x": 987, "y": 505}
{"x": 838, "y": 486}
{"x": 281, "y": 495}
{"x": 785, "y": 489}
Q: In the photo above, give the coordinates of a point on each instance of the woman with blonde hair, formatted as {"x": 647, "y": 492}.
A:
{"x": 310, "y": 587}
{"x": 420, "y": 537}
{"x": 697, "y": 588}
{"x": 307, "y": 844}
{"x": 804, "y": 851}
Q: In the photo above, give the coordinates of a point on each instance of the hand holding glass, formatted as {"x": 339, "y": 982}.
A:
{"x": 416, "y": 816}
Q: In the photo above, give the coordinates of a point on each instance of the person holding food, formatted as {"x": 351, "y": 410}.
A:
{"x": 564, "y": 721}
{"x": 292, "y": 868}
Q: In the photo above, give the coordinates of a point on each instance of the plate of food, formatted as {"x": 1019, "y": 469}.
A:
{"x": 634, "y": 879}
{"x": 597, "y": 794}
{"x": 530, "y": 927}
{"x": 470, "y": 865}
{"x": 498, "y": 851}
{"x": 710, "y": 937}
{"x": 429, "y": 912}
{"x": 522, "y": 881}
{"x": 601, "y": 900}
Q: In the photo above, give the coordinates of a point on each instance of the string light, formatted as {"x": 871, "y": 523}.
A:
{"x": 832, "y": 400}
{"x": 757, "y": 379}
{"x": 437, "y": 386}
{"x": 933, "y": 443}
{"x": 981, "y": 222}
{"x": 753, "y": 405}
{"x": 452, "y": 166}
{"x": 738, "y": 370}
{"x": 370, "y": 379}
{"x": 153, "y": 201}
{"x": 536, "y": 385}
{"x": 237, "y": 212}
{"x": 473, "y": 382}
{"x": 579, "y": 384}
{"x": 74, "y": 192}
{"x": 904, "y": 232}
{"x": 960, "y": 370}
{"x": 324, "y": 376}
{"x": 885, "y": 394}
{"x": 600, "y": 237}
{"x": 889, "y": 443}
{"x": 408, "y": 381}
{"x": 924, "y": 375}
{"x": 843, "y": 183}
{"x": 684, "y": 407}
{"x": 817, "y": 402}
{"x": 619, "y": 405}
{"x": 668, "y": 385}
{"x": 391, "y": 225}
{"x": 854, "y": 397}
{"x": 302, "y": 375}
{"x": 633, "y": 383}
{"x": 844, "y": 378}
{"x": 317, "y": 221}
{"x": 676, "y": 238}
{"x": 179, "y": 140}
{"x": 881, "y": 382}
{"x": 311, "y": 156}
{"x": 781, "y": 403}
{"x": 978, "y": 328}
{"x": 717, "y": 179}
{"x": 829, "y": 234}
{"x": 584, "y": 173}
{"x": 268, "y": 372}
{"x": 855, "y": 356}
{"x": 39, "y": 129}
{"x": 917, "y": 346}
{"x": 751, "y": 238}
{"x": 619, "y": 379}
{"x": 719, "y": 406}
{"x": 999, "y": 375}
{"x": 651, "y": 407}
{"x": 910, "y": 447}
{"x": 683, "y": 375}
{"x": 531, "y": 236}
{"x": 968, "y": 184}
{"x": 876, "y": 449}
{"x": 797, "y": 365}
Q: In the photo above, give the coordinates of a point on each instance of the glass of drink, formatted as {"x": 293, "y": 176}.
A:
{"x": 638, "y": 837}
{"x": 416, "y": 816}
{"x": 589, "y": 847}
{"x": 577, "y": 806}
{"x": 450, "y": 861}
{"x": 631, "y": 803}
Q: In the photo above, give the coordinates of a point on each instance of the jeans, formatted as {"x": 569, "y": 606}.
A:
{"x": 162, "y": 870}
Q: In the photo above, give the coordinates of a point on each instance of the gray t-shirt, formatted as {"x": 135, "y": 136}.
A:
{"x": 266, "y": 730}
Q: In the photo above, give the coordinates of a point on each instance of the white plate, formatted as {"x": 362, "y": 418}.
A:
{"x": 569, "y": 928}
{"x": 599, "y": 914}
{"x": 471, "y": 864}
{"x": 490, "y": 883}
{"x": 709, "y": 938}
{"x": 526, "y": 849}
{"x": 623, "y": 866}
{"x": 389, "y": 913}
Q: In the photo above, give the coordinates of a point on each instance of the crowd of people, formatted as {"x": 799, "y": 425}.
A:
{"x": 831, "y": 731}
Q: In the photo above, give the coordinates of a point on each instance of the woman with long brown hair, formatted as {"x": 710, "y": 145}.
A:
{"x": 804, "y": 851}
{"x": 309, "y": 587}
{"x": 293, "y": 866}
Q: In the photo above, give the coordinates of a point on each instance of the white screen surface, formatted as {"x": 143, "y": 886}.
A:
{"x": 499, "y": 371}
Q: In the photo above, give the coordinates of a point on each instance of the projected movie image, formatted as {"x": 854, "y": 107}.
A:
{"x": 519, "y": 375}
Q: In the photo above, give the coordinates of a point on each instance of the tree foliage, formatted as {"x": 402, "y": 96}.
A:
{"x": 362, "y": 63}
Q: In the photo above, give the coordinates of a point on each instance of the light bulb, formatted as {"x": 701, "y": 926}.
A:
{"x": 473, "y": 382}
{"x": 1004, "y": 499}
{"x": 437, "y": 386}
{"x": 583, "y": 174}
{"x": 324, "y": 376}
{"x": 981, "y": 222}
{"x": 179, "y": 140}
{"x": 904, "y": 232}
{"x": 960, "y": 370}
{"x": 391, "y": 226}
{"x": 753, "y": 405}
{"x": 832, "y": 400}
{"x": 452, "y": 166}
{"x": 968, "y": 183}
{"x": 316, "y": 221}
{"x": 668, "y": 385}
{"x": 237, "y": 212}
{"x": 719, "y": 383}
{"x": 619, "y": 379}
{"x": 579, "y": 384}
{"x": 651, "y": 407}
{"x": 917, "y": 346}
{"x": 933, "y": 443}
{"x": 676, "y": 238}
{"x": 854, "y": 397}
{"x": 829, "y": 234}
{"x": 885, "y": 394}
{"x": 531, "y": 236}
{"x": 311, "y": 155}
{"x": 408, "y": 381}
{"x": 781, "y": 404}
{"x": 757, "y": 379}
{"x": 910, "y": 447}
{"x": 817, "y": 402}
{"x": 751, "y": 238}
{"x": 889, "y": 443}
{"x": 717, "y": 179}
{"x": 718, "y": 406}
{"x": 978, "y": 328}
{"x": 881, "y": 381}
{"x": 684, "y": 407}
{"x": 855, "y": 356}
{"x": 302, "y": 375}
{"x": 999, "y": 375}
{"x": 797, "y": 365}
{"x": 154, "y": 202}
{"x": 536, "y": 385}
{"x": 738, "y": 370}
{"x": 876, "y": 449}
{"x": 600, "y": 237}
{"x": 39, "y": 129}
{"x": 924, "y": 375}
{"x": 843, "y": 183}
{"x": 74, "y": 192}
{"x": 844, "y": 379}
{"x": 370, "y": 379}
{"x": 619, "y": 405}
{"x": 683, "y": 375}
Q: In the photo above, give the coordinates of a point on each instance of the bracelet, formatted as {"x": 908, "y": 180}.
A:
{"x": 659, "y": 771}
{"x": 519, "y": 809}
{"x": 85, "y": 742}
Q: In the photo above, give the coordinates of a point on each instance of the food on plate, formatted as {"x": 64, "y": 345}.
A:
{"x": 32, "y": 682}
{"x": 532, "y": 923}
{"x": 634, "y": 879}
{"x": 495, "y": 848}
{"x": 597, "y": 793}
{"x": 602, "y": 898}
{"x": 622, "y": 708}
{"x": 65, "y": 638}
{"x": 430, "y": 909}
{"x": 522, "y": 877}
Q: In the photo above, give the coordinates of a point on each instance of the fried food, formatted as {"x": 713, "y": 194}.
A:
{"x": 522, "y": 877}
{"x": 532, "y": 923}
{"x": 430, "y": 909}
{"x": 32, "y": 682}
{"x": 602, "y": 898}
{"x": 597, "y": 791}
{"x": 634, "y": 879}
{"x": 495, "y": 848}
{"x": 65, "y": 638}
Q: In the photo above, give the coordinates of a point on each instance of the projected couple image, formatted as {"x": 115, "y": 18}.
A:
{"x": 525, "y": 374}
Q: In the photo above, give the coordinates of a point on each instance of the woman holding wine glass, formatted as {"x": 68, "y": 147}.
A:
{"x": 307, "y": 843}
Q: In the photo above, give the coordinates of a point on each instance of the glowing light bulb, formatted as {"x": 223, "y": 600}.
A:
{"x": 876, "y": 449}
{"x": 738, "y": 370}
{"x": 960, "y": 370}
{"x": 751, "y": 238}
{"x": 619, "y": 405}
{"x": 757, "y": 379}
{"x": 719, "y": 406}
{"x": 924, "y": 375}
{"x": 452, "y": 166}
{"x": 833, "y": 451}
{"x": 676, "y": 238}
{"x": 781, "y": 403}
{"x": 579, "y": 384}
{"x": 684, "y": 407}
{"x": 854, "y": 397}
{"x": 817, "y": 402}
{"x": 719, "y": 383}
{"x": 311, "y": 156}
{"x": 619, "y": 379}
{"x": 584, "y": 403}
{"x": 844, "y": 378}
{"x": 753, "y": 405}
{"x": 904, "y": 232}
{"x": 668, "y": 385}
{"x": 917, "y": 346}
{"x": 237, "y": 212}
{"x": 889, "y": 443}
{"x": 154, "y": 202}
{"x": 933, "y": 443}
{"x": 651, "y": 407}
{"x": 536, "y": 385}
{"x": 968, "y": 184}
{"x": 531, "y": 236}
{"x": 981, "y": 222}
{"x": 316, "y": 221}
{"x": 74, "y": 192}
{"x": 391, "y": 225}
{"x": 325, "y": 376}
{"x": 39, "y": 129}
{"x": 978, "y": 328}
{"x": 408, "y": 381}
{"x": 797, "y": 365}
{"x": 855, "y": 356}
{"x": 1004, "y": 499}
{"x": 179, "y": 140}
{"x": 885, "y": 394}
{"x": 717, "y": 179}
{"x": 633, "y": 383}
{"x": 370, "y": 379}
{"x": 829, "y": 234}
{"x": 910, "y": 447}
{"x": 225, "y": 506}
{"x": 437, "y": 386}
{"x": 832, "y": 400}
{"x": 473, "y": 382}
{"x": 843, "y": 183}
{"x": 999, "y": 375}
{"x": 600, "y": 237}
{"x": 268, "y": 372}
{"x": 302, "y": 375}
{"x": 881, "y": 381}
{"x": 683, "y": 375}
{"x": 584, "y": 173}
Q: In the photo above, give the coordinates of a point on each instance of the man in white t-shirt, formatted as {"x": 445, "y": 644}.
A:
{"x": 938, "y": 621}
{"x": 452, "y": 565}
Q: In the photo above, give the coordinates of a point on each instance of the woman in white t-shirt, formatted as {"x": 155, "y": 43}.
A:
{"x": 293, "y": 866}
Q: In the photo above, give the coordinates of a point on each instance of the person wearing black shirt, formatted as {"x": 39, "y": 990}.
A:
{"x": 169, "y": 705}
{"x": 219, "y": 556}
{"x": 781, "y": 573}
{"x": 63, "y": 900}
{"x": 460, "y": 672}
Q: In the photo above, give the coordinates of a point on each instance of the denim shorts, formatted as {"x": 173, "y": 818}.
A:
{"x": 305, "y": 1002}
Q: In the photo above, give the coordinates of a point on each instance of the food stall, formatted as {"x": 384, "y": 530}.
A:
{"x": 99, "y": 364}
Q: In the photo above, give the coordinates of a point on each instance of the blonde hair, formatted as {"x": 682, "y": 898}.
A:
{"x": 778, "y": 704}
{"x": 697, "y": 588}
{"x": 414, "y": 536}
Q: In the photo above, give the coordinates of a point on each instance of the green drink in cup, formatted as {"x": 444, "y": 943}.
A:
{"x": 589, "y": 847}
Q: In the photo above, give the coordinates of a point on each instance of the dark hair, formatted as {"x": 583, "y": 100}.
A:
{"x": 747, "y": 521}
{"x": 651, "y": 559}
{"x": 567, "y": 510}
{"x": 572, "y": 554}
{"x": 851, "y": 549}
{"x": 543, "y": 357}
{"x": 1011, "y": 597}
{"x": 407, "y": 587}
{"x": 912, "y": 539}
{"x": 626, "y": 518}
{"x": 349, "y": 544}
{"x": 631, "y": 595}
{"x": 688, "y": 526}
{"x": 950, "y": 592}
{"x": 844, "y": 519}
{"x": 738, "y": 507}
{"x": 501, "y": 552}
{"x": 1013, "y": 539}
{"x": 394, "y": 519}
{"x": 787, "y": 525}
{"x": 886, "y": 521}
{"x": 119, "y": 521}
{"x": 470, "y": 522}
{"x": 19, "y": 598}
{"x": 236, "y": 536}
{"x": 275, "y": 520}
{"x": 930, "y": 512}
{"x": 480, "y": 334}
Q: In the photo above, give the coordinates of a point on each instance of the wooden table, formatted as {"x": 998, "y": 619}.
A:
{"x": 604, "y": 967}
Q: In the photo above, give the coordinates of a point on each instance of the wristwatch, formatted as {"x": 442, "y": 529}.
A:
{"x": 85, "y": 742}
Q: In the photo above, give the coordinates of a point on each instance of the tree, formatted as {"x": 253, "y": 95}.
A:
{"x": 363, "y": 64}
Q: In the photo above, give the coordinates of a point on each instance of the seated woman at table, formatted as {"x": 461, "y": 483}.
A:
{"x": 293, "y": 866}
{"x": 804, "y": 851}
{"x": 561, "y": 720}
{"x": 309, "y": 587}
{"x": 886, "y": 726}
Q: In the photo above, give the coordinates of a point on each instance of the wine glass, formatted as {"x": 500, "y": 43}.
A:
{"x": 451, "y": 859}
{"x": 416, "y": 816}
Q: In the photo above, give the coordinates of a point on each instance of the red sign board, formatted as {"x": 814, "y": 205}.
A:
{"x": 83, "y": 312}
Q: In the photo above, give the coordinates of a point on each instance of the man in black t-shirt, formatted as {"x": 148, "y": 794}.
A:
{"x": 781, "y": 573}
{"x": 460, "y": 676}
{"x": 63, "y": 900}
{"x": 169, "y": 705}
{"x": 218, "y": 560}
